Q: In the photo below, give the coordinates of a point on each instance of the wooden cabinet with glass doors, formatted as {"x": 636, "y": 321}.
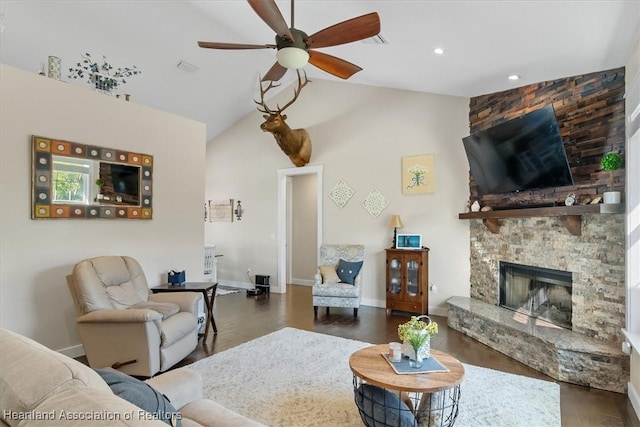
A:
{"x": 408, "y": 280}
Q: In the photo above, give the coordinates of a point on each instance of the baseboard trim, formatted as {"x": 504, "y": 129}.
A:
{"x": 634, "y": 398}
{"x": 436, "y": 311}
{"x": 439, "y": 311}
{"x": 303, "y": 282}
{"x": 373, "y": 302}
{"x": 235, "y": 284}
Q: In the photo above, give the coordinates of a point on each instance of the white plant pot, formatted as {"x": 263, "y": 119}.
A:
{"x": 611, "y": 197}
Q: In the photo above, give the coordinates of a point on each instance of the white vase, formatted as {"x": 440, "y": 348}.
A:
{"x": 611, "y": 197}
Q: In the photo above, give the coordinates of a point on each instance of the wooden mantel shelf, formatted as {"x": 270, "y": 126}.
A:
{"x": 570, "y": 216}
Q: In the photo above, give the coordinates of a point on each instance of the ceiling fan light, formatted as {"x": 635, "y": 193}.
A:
{"x": 292, "y": 57}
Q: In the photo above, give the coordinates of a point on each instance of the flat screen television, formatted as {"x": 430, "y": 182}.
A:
{"x": 126, "y": 179}
{"x": 525, "y": 153}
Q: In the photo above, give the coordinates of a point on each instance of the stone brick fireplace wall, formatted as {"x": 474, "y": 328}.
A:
{"x": 590, "y": 353}
{"x": 596, "y": 259}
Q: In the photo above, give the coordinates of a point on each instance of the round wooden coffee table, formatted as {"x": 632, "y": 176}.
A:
{"x": 383, "y": 397}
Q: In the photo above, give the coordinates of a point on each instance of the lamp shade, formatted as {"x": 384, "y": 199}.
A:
{"x": 292, "y": 57}
{"x": 396, "y": 222}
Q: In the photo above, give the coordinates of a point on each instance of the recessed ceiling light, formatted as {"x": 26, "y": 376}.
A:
{"x": 514, "y": 77}
{"x": 438, "y": 51}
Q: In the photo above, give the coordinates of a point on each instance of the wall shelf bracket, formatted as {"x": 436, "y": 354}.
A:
{"x": 492, "y": 224}
{"x": 573, "y": 223}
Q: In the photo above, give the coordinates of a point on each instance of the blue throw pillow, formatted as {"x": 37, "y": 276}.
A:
{"x": 142, "y": 395}
{"x": 347, "y": 271}
{"x": 381, "y": 407}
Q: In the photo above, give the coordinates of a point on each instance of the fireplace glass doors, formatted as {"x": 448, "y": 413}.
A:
{"x": 537, "y": 292}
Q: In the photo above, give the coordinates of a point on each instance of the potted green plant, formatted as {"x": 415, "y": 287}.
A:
{"x": 100, "y": 184}
{"x": 611, "y": 162}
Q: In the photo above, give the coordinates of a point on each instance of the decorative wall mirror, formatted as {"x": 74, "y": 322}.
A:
{"x": 72, "y": 180}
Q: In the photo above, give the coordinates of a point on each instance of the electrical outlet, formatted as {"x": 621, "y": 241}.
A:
{"x": 433, "y": 288}
{"x": 249, "y": 271}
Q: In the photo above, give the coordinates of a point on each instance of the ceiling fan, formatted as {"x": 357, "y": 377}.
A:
{"x": 296, "y": 48}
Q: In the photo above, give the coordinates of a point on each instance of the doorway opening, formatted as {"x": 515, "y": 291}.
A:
{"x": 284, "y": 227}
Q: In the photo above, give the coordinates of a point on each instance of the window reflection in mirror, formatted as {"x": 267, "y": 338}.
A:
{"x": 72, "y": 180}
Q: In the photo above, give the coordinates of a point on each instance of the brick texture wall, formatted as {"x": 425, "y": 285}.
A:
{"x": 591, "y": 115}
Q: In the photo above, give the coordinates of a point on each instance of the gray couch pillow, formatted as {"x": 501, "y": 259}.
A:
{"x": 381, "y": 407}
{"x": 142, "y": 395}
{"x": 347, "y": 271}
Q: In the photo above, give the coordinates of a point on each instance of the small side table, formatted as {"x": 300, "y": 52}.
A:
{"x": 434, "y": 396}
{"x": 202, "y": 287}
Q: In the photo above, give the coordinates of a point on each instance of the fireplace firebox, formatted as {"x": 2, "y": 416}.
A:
{"x": 537, "y": 292}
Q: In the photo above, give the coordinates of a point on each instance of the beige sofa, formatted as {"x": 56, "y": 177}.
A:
{"x": 39, "y": 386}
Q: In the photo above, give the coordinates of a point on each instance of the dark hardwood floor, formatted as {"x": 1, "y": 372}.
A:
{"x": 240, "y": 319}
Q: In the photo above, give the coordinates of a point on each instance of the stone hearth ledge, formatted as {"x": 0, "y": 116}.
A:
{"x": 562, "y": 354}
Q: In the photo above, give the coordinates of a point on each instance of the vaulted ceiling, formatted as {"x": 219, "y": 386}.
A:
{"x": 484, "y": 42}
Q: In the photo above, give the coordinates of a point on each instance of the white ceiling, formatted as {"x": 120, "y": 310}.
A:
{"x": 485, "y": 41}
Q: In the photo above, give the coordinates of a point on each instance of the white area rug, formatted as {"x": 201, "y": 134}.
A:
{"x": 296, "y": 378}
{"x": 226, "y": 291}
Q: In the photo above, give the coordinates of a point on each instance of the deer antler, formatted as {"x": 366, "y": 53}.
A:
{"x": 265, "y": 108}
{"x": 296, "y": 92}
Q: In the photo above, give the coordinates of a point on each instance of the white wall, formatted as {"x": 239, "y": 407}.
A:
{"x": 36, "y": 255}
{"x": 360, "y": 134}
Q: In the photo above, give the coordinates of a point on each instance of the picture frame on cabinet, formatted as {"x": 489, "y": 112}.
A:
{"x": 409, "y": 241}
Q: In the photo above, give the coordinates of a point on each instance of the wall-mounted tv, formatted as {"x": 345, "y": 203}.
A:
{"x": 123, "y": 180}
{"x": 126, "y": 179}
{"x": 525, "y": 153}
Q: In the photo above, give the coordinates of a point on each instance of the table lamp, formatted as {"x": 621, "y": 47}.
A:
{"x": 395, "y": 223}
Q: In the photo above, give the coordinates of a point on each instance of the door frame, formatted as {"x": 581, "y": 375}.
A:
{"x": 284, "y": 177}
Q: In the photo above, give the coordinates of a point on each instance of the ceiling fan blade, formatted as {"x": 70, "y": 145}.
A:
{"x": 268, "y": 11}
{"x": 275, "y": 73}
{"x": 352, "y": 30}
{"x": 333, "y": 65}
{"x": 215, "y": 45}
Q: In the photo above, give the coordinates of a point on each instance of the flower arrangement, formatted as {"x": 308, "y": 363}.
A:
{"x": 416, "y": 335}
{"x": 610, "y": 162}
{"x": 102, "y": 76}
{"x": 413, "y": 331}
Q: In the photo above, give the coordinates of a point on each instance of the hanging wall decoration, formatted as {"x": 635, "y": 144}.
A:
{"x": 418, "y": 174}
{"x": 71, "y": 180}
{"x": 102, "y": 76}
{"x": 221, "y": 210}
{"x": 375, "y": 203}
{"x": 341, "y": 193}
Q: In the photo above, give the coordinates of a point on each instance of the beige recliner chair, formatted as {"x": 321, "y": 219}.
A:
{"x": 123, "y": 325}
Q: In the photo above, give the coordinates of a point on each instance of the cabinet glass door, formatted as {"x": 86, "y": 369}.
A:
{"x": 412, "y": 277}
{"x": 394, "y": 276}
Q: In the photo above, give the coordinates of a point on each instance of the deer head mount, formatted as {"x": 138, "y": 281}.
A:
{"x": 294, "y": 142}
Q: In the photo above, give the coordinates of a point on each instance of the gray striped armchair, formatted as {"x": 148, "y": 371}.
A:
{"x": 340, "y": 289}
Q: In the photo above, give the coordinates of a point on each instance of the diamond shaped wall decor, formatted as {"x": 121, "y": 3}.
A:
{"x": 375, "y": 203}
{"x": 341, "y": 193}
